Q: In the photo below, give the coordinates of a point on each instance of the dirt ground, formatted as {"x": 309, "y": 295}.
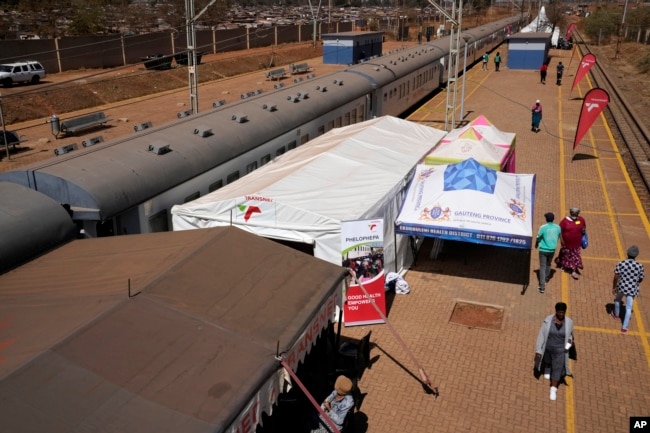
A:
{"x": 82, "y": 89}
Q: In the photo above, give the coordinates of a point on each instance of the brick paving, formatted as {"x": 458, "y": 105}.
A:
{"x": 485, "y": 377}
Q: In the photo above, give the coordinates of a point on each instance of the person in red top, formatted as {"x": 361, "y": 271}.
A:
{"x": 542, "y": 73}
{"x": 572, "y": 228}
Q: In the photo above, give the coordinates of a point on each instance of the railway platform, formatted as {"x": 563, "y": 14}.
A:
{"x": 485, "y": 376}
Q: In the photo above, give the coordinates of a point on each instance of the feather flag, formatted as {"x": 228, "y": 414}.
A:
{"x": 593, "y": 104}
{"x": 587, "y": 62}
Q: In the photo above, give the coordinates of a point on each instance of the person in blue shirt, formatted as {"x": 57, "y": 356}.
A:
{"x": 547, "y": 239}
{"x": 336, "y": 405}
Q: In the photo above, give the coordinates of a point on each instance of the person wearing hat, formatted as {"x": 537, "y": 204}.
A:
{"x": 573, "y": 226}
{"x": 628, "y": 274}
{"x": 547, "y": 240}
{"x": 554, "y": 339}
{"x": 336, "y": 405}
{"x": 537, "y": 115}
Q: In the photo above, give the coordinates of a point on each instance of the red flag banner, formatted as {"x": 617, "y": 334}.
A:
{"x": 594, "y": 103}
{"x": 587, "y": 62}
{"x": 569, "y": 31}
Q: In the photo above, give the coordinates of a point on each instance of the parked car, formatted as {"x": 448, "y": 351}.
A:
{"x": 21, "y": 72}
{"x": 564, "y": 44}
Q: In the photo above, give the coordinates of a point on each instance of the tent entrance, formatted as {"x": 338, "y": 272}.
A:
{"x": 300, "y": 246}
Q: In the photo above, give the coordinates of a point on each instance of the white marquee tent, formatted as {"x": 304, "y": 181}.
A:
{"x": 356, "y": 172}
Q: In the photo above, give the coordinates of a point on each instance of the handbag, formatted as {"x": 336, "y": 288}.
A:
{"x": 585, "y": 240}
{"x": 573, "y": 353}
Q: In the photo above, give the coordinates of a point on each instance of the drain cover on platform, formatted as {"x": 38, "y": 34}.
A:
{"x": 477, "y": 316}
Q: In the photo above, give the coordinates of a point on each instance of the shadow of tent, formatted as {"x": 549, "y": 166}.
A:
{"x": 478, "y": 261}
{"x": 583, "y": 156}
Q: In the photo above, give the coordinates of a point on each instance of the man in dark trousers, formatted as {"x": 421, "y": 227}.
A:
{"x": 560, "y": 71}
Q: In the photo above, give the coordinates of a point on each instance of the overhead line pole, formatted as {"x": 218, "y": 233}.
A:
{"x": 192, "y": 70}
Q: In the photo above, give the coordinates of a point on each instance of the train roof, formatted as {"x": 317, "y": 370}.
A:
{"x": 30, "y": 224}
{"x": 103, "y": 180}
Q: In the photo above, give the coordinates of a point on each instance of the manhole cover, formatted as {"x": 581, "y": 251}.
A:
{"x": 477, "y": 316}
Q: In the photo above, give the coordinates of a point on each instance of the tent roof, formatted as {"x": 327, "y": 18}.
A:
{"x": 330, "y": 179}
{"x": 479, "y": 139}
{"x": 187, "y": 353}
{"x": 471, "y": 203}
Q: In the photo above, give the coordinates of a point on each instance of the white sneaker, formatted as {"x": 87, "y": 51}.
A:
{"x": 553, "y": 395}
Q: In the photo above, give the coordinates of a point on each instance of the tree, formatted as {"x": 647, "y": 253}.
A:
{"x": 602, "y": 24}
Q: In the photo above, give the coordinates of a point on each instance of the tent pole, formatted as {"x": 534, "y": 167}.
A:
{"x": 311, "y": 398}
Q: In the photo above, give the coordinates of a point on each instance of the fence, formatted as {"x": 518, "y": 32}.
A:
{"x": 92, "y": 52}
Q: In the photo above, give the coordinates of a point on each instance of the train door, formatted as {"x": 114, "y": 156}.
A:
{"x": 371, "y": 105}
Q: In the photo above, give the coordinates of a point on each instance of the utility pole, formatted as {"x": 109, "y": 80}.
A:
{"x": 314, "y": 17}
{"x": 621, "y": 32}
{"x": 192, "y": 67}
{"x": 452, "y": 65}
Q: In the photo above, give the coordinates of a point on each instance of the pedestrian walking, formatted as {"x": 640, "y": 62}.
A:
{"x": 560, "y": 71}
{"x": 497, "y": 61}
{"x": 536, "y": 116}
{"x": 547, "y": 240}
{"x": 542, "y": 73}
{"x": 486, "y": 58}
{"x": 573, "y": 227}
{"x": 554, "y": 340}
{"x": 628, "y": 274}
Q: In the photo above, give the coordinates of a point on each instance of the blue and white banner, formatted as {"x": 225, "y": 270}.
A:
{"x": 471, "y": 203}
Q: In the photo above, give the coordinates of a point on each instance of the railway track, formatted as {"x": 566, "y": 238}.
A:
{"x": 628, "y": 129}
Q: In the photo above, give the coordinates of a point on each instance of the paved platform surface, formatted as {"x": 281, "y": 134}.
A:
{"x": 485, "y": 378}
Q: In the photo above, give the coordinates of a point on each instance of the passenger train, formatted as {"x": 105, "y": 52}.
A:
{"x": 129, "y": 185}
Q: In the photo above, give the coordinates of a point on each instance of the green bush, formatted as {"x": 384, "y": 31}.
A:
{"x": 602, "y": 25}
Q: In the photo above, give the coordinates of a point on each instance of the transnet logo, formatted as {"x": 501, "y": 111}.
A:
{"x": 372, "y": 227}
{"x": 248, "y": 211}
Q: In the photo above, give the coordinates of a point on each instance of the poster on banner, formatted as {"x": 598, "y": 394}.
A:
{"x": 593, "y": 104}
{"x": 587, "y": 62}
{"x": 362, "y": 244}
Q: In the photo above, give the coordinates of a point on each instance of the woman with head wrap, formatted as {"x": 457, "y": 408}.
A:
{"x": 572, "y": 228}
{"x": 554, "y": 339}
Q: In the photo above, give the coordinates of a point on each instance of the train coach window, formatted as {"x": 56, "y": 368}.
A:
{"x": 192, "y": 197}
{"x": 321, "y": 130}
{"x": 265, "y": 159}
{"x": 385, "y": 97}
{"x": 304, "y": 139}
{"x": 337, "y": 123}
{"x": 330, "y": 125}
{"x": 346, "y": 119}
{"x": 251, "y": 167}
{"x": 279, "y": 151}
{"x": 292, "y": 145}
{"x": 232, "y": 177}
{"x": 218, "y": 184}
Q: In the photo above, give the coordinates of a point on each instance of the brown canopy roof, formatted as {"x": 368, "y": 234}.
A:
{"x": 188, "y": 353}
